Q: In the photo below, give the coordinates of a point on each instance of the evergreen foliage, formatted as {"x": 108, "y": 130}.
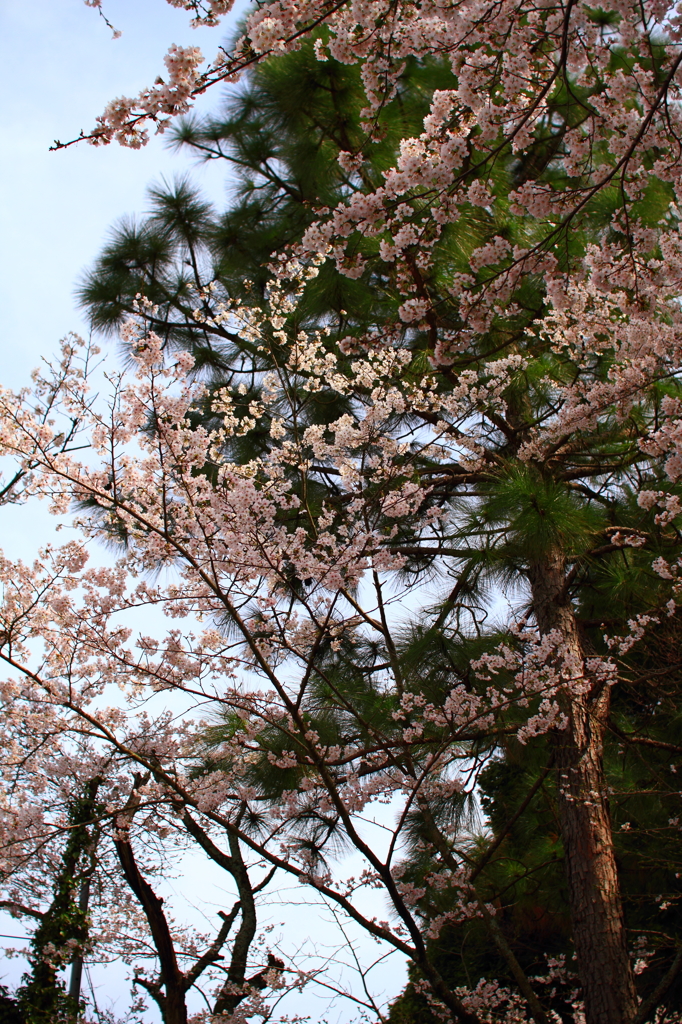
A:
{"x": 282, "y": 136}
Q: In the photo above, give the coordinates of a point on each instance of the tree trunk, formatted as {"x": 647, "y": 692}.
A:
{"x": 594, "y": 893}
{"x": 77, "y": 962}
{"x": 175, "y": 1008}
{"x": 171, "y": 1003}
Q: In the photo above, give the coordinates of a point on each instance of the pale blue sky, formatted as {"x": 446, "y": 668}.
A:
{"x": 59, "y": 67}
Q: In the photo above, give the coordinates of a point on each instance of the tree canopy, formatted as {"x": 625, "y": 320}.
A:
{"x": 401, "y": 428}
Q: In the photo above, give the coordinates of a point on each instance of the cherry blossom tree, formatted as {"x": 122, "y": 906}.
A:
{"x": 511, "y": 414}
{"x": 83, "y": 814}
{"x": 304, "y": 589}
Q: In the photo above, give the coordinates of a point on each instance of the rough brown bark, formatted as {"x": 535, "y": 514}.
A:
{"x": 594, "y": 892}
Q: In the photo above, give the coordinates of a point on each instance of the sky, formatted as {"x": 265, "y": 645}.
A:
{"x": 59, "y": 66}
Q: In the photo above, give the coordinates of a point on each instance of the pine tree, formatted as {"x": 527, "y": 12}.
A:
{"x": 280, "y": 139}
{"x": 556, "y": 526}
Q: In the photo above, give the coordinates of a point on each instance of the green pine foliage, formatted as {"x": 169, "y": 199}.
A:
{"x": 280, "y": 138}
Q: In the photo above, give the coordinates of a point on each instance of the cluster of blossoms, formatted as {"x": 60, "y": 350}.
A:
{"x": 123, "y": 119}
{"x": 206, "y": 12}
{"x": 237, "y": 543}
{"x": 230, "y": 548}
{"x": 519, "y": 408}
